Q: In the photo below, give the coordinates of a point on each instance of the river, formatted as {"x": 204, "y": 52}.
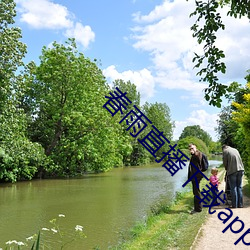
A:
{"x": 105, "y": 204}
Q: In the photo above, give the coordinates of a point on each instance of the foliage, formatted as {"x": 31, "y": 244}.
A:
{"x": 231, "y": 124}
{"x": 201, "y": 146}
{"x": 215, "y": 147}
{"x": 66, "y": 95}
{"x": 196, "y": 131}
{"x": 242, "y": 116}
{"x": 227, "y": 127}
{"x": 132, "y": 93}
{"x": 138, "y": 155}
{"x": 205, "y": 28}
{"x": 20, "y": 158}
{"x": 52, "y": 119}
{"x": 159, "y": 115}
{"x": 12, "y": 50}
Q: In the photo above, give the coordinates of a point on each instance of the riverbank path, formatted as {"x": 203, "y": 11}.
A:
{"x": 210, "y": 236}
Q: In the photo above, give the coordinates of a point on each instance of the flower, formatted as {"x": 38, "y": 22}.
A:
{"x": 78, "y": 228}
{"x": 45, "y": 229}
{"x": 10, "y": 242}
{"x": 54, "y": 230}
{"x": 20, "y": 243}
{"x": 29, "y": 238}
{"x": 61, "y": 215}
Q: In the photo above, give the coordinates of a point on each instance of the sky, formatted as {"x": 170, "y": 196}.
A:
{"x": 147, "y": 42}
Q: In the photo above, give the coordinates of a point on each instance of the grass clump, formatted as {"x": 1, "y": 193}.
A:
{"x": 168, "y": 226}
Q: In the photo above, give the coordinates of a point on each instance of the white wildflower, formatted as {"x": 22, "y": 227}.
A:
{"x": 61, "y": 215}
{"x": 45, "y": 229}
{"x": 9, "y": 242}
{"x": 20, "y": 243}
{"x": 78, "y": 228}
{"x": 54, "y": 230}
{"x": 29, "y": 238}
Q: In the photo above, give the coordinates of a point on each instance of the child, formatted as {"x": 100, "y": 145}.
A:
{"x": 215, "y": 181}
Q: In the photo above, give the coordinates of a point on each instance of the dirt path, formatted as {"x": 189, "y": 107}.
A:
{"x": 211, "y": 236}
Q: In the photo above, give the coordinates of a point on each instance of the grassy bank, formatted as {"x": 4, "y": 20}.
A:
{"x": 168, "y": 227}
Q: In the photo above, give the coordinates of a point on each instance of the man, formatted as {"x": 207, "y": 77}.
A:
{"x": 196, "y": 158}
{"x": 235, "y": 170}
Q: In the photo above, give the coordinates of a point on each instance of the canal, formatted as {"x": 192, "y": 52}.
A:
{"x": 105, "y": 204}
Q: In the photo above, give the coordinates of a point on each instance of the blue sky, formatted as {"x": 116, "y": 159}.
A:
{"x": 148, "y": 42}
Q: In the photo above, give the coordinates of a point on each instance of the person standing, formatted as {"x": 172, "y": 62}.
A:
{"x": 196, "y": 158}
{"x": 215, "y": 181}
{"x": 235, "y": 169}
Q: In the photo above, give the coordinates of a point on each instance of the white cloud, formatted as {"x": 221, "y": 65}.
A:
{"x": 234, "y": 41}
{"x": 198, "y": 117}
{"x": 165, "y": 33}
{"x": 83, "y": 34}
{"x": 44, "y": 14}
{"x": 143, "y": 80}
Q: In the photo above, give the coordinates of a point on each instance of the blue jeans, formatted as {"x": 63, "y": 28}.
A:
{"x": 235, "y": 182}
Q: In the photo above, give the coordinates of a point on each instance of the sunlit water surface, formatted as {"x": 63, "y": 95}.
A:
{"x": 104, "y": 204}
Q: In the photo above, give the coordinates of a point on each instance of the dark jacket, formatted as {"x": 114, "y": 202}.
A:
{"x": 196, "y": 160}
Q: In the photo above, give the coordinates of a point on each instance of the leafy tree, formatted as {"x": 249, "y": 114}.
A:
{"x": 196, "y": 131}
{"x": 159, "y": 115}
{"x": 67, "y": 93}
{"x": 184, "y": 142}
{"x": 208, "y": 23}
{"x": 242, "y": 116}
{"x": 132, "y": 93}
{"x": 12, "y": 50}
{"x": 227, "y": 127}
{"x": 230, "y": 130}
{"x": 19, "y": 157}
{"x": 139, "y": 154}
{"x": 215, "y": 147}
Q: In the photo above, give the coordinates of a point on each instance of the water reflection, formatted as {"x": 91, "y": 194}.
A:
{"x": 105, "y": 204}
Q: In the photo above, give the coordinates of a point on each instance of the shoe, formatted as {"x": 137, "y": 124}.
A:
{"x": 231, "y": 207}
{"x": 240, "y": 206}
{"x": 194, "y": 212}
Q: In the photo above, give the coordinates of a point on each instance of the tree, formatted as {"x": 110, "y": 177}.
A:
{"x": 12, "y": 50}
{"x": 208, "y": 23}
{"x": 184, "y": 142}
{"x": 159, "y": 115}
{"x": 227, "y": 128}
{"x": 242, "y": 116}
{"x": 19, "y": 158}
{"x": 132, "y": 93}
{"x": 67, "y": 93}
{"x": 233, "y": 127}
{"x": 230, "y": 130}
{"x": 215, "y": 147}
{"x": 196, "y": 131}
{"x": 139, "y": 154}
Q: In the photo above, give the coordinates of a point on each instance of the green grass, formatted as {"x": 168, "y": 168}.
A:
{"x": 168, "y": 227}
{"x": 246, "y": 187}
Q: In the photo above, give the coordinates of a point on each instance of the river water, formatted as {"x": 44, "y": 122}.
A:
{"x": 104, "y": 204}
